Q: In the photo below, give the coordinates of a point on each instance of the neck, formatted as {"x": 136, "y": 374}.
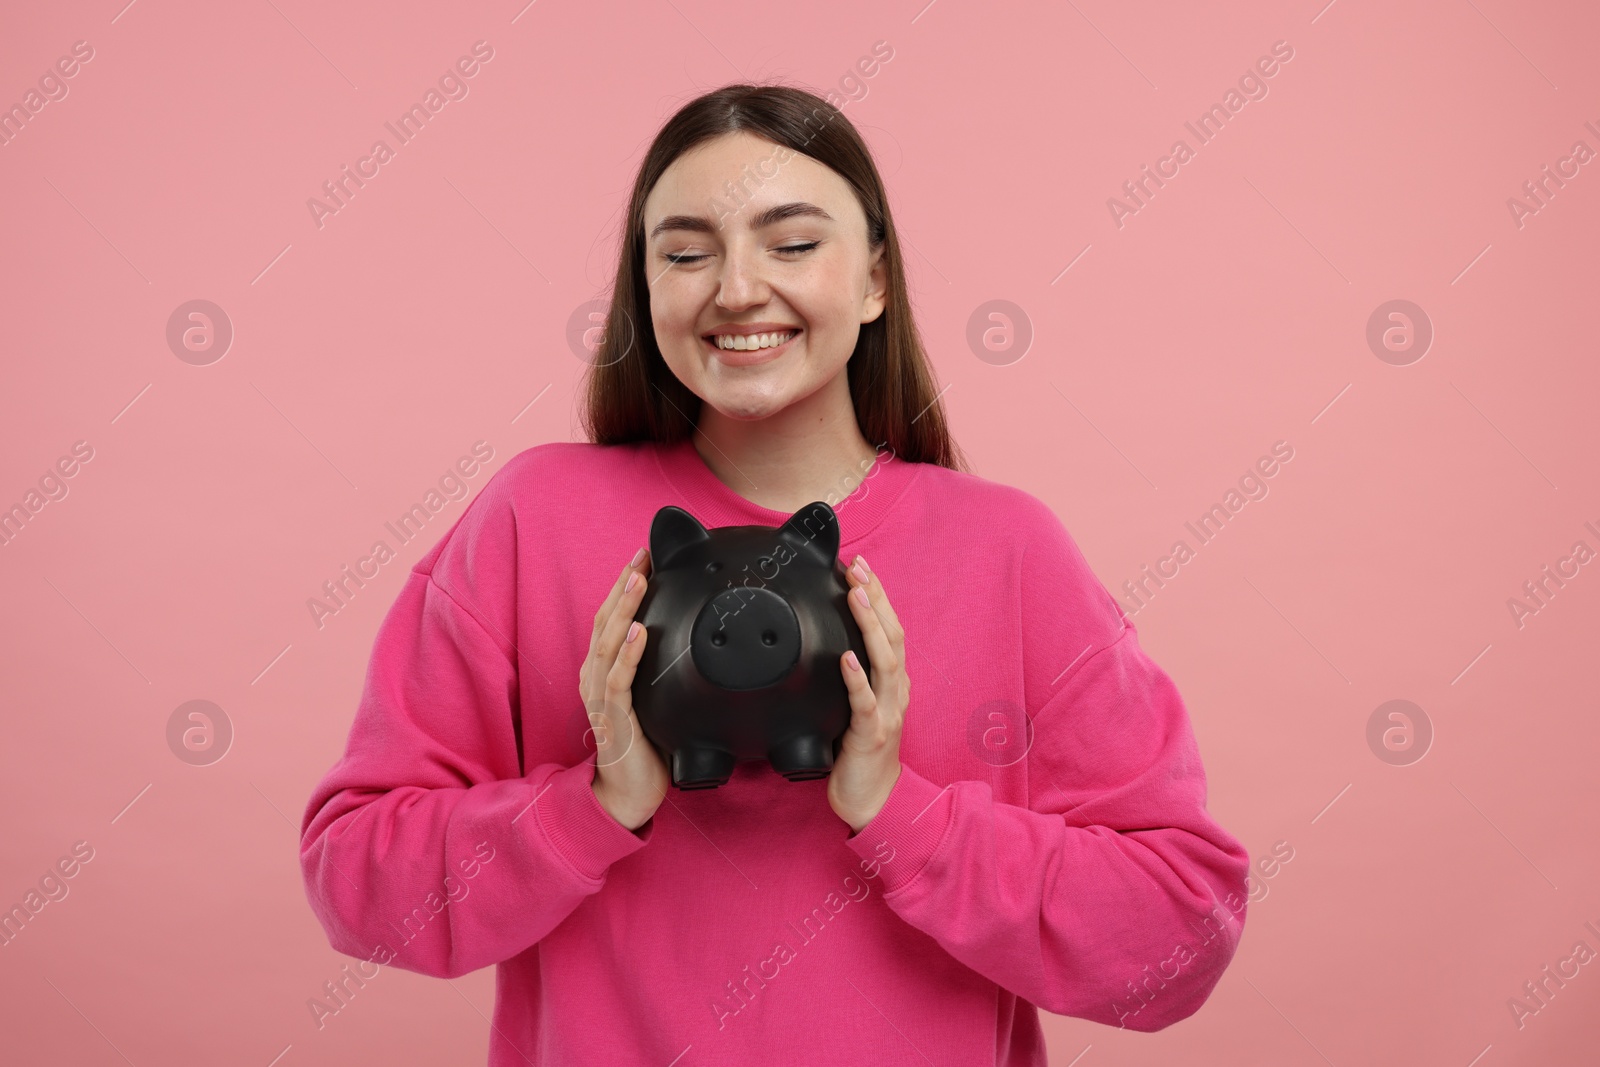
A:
{"x": 811, "y": 450}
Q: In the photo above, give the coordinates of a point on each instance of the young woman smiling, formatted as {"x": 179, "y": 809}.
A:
{"x": 1034, "y": 815}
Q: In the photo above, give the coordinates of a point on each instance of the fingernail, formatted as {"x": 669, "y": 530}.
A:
{"x": 633, "y": 631}
{"x": 850, "y": 658}
{"x": 633, "y": 580}
{"x": 861, "y": 596}
{"x": 858, "y": 570}
{"x": 637, "y": 556}
{"x": 862, "y": 560}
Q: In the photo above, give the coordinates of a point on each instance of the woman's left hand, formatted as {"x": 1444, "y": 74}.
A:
{"x": 868, "y": 763}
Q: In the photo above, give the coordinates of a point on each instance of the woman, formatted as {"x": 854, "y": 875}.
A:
{"x": 1028, "y": 830}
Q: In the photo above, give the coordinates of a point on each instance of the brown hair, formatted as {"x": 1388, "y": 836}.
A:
{"x": 891, "y": 383}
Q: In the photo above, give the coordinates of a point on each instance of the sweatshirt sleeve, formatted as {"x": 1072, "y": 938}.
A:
{"x": 425, "y": 846}
{"x": 1113, "y": 896}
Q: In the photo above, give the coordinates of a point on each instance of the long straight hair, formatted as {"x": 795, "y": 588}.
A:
{"x": 631, "y": 393}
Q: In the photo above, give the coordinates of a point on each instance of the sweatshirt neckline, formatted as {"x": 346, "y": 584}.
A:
{"x": 715, "y": 504}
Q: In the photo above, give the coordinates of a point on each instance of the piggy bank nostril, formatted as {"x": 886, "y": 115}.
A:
{"x": 768, "y": 637}
{"x": 713, "y": 567}
{"x": 719, "y": 639}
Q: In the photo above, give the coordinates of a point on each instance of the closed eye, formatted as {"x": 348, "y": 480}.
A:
{"x": 680, "y": 258}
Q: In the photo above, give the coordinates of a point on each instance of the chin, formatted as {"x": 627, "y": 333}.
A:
{"x": 749, "y": 402}
{"x": 747, "y": 412}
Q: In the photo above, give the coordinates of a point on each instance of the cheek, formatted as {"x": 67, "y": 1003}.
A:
{"x": 830, "y": 298}
{"x": 685, "y": 366}
{"x": 834, "y": 324}
{"x": 663, "y": 302}
{"x": 675, "y": 294}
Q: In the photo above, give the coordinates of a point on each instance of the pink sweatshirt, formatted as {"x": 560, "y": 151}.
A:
{"x": 1046, "y": 845}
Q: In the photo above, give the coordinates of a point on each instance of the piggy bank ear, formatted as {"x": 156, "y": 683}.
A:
{"x": 817, "y": 527}
{"x": 672, "y": 531}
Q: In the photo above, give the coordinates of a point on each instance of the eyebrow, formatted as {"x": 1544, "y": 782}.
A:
{"x": 777, "y": 213}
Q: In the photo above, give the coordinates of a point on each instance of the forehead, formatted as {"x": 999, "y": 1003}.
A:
{"x": 715, "y": 177}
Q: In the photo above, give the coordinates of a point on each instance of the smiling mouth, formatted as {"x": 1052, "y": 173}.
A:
{"x": 762, "y": 350}
{"x": 750, "y": 342}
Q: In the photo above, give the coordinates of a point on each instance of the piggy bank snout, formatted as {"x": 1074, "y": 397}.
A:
{"x": 745, "y": 638}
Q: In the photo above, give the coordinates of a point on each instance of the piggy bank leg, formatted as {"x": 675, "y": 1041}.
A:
{"x": 701, "y": 768}
{"x": 802, "y": 758}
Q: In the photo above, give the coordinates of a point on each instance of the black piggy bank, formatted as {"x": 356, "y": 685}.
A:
{"x": 745, "y": 628}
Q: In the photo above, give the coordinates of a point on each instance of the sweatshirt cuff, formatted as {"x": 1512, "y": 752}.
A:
{"x": 579, "y": 828}
{"x": 913, "y": 824}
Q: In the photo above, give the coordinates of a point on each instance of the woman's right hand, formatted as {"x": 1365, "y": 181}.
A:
{"x": 630, "y": 779}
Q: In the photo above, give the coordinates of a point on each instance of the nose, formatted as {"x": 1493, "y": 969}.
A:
{"x": 742, "y": 283}
{"x": 745, "y": 638}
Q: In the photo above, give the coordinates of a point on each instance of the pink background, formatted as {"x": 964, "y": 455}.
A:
{"x": 1230, "y": 312}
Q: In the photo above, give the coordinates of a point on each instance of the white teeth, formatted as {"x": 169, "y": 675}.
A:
{"x": 743, "y": 343}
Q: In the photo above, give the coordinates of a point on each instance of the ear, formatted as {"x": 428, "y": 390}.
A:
{"x": 818, "y": 528}
{"x": 875, "y": 298}
{"x": 672, "y": 531}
